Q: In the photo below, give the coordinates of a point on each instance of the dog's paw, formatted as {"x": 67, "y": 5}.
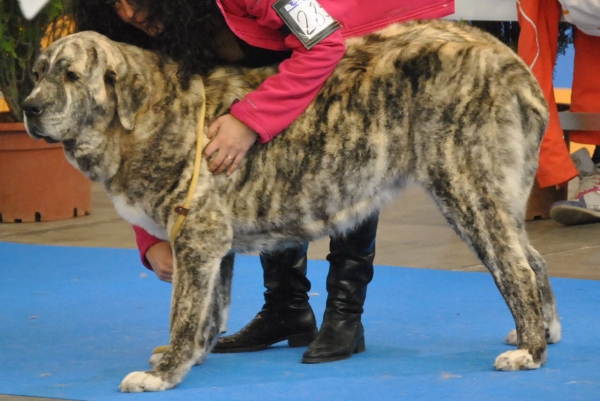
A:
{"x": 155, "y": 359}
{"x": 137, "y": 382}
{"x": 516, "y": 360}
{"x": 511, "y": 337}
{"x": 157, "y": 354}
{"x": 554, "y": 332}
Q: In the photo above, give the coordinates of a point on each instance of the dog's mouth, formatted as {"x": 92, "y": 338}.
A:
{"x": 45, "y": 138}
{"x": 50, "y": 140}
{"x": 36, "y": 134}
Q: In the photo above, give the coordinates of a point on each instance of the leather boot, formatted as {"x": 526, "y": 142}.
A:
{"x": 286, "y": 314}
{"x": 350, "y": 271}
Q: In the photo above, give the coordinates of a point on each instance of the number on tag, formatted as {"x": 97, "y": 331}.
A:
{"x": 307, "y": 20}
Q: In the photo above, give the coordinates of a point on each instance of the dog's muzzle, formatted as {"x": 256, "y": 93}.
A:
{"x": 33, "y": 109}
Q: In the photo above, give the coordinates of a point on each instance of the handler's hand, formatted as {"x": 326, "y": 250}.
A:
{"x": 160, "y": 257}
{"x": 230, "y": 139}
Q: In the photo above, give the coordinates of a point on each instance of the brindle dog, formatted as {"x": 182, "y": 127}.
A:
{"x": 434, "y": 102}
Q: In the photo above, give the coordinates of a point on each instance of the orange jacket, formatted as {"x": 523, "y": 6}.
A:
{"x": 538, "y": 44}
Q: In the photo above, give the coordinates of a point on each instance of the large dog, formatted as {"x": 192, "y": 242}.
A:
{"x": 438, "y": 103}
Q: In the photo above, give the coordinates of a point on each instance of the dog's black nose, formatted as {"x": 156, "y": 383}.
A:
{"x": 33, "y": 108}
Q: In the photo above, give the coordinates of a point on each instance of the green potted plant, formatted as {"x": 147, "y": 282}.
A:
{"x": 36, "y": 181}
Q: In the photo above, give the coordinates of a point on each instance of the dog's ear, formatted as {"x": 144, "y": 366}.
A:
{"x": 131, "y": 94}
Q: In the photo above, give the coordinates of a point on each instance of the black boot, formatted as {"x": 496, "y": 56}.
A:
{"x": 286, "y": 314}
{"x": 350, "y": 271}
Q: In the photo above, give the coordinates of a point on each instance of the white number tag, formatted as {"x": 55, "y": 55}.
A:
{"x": 307, "y": 20}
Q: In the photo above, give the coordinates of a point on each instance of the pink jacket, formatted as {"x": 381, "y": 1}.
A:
{"x": 284, "y": 96}
{"x": 270, "y": 109}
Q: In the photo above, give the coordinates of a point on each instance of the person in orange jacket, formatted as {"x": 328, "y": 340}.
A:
{"x": 201, "y": 34}
{"x": 538, "y": 44}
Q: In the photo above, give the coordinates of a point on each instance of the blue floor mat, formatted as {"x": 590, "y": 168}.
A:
{"x": 75, "y": 321}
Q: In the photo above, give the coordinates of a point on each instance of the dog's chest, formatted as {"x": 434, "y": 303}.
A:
{"x": 136, "y": 216}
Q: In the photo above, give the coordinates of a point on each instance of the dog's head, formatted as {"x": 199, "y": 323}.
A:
{"x": 87, "y": 95}
{"x": 83, "y": 83}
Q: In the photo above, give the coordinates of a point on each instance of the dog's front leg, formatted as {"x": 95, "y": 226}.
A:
{"x": 197, "y": 308}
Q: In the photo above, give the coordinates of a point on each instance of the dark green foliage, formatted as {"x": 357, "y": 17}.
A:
{"x": 19, "y": 47}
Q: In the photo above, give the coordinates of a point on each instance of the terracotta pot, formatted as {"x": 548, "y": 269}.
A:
{"x": 36, "y": 181}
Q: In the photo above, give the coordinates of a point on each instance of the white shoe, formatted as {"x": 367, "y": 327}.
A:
{"x": 585, "y": 208}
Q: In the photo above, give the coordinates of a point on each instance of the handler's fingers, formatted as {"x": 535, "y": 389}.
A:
{"x": 213, "y": 128}
{"x": 218, "y": 162}
{"x": 236, "y": 163}
{"x": 227, "y": 162}
{"x": 211, "y": 148}
{"x": 164, "y": 274}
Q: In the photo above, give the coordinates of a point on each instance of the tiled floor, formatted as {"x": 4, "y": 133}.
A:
{"x": 411, "y": 233}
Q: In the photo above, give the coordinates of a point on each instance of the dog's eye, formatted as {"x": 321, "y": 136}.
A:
{"x": 36, "y": 76}
{"x": 71, "y": 76}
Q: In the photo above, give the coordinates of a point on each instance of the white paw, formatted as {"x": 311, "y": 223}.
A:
{"x": 137, "y": 382}
{"x": 516, "y": 360}
{"x": 554, "y": 332}
{"x": 511, "y": 337}
{"x": 155, "y": 359}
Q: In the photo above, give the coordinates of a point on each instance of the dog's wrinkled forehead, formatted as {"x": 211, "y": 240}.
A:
{"x": 82, "y": 52}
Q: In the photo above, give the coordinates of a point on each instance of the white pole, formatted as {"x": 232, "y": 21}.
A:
{"x": 485, "y": 10}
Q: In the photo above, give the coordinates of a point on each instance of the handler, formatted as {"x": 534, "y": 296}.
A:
{"x": 307, "y": 38}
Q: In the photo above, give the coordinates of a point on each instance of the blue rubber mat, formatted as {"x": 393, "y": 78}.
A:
{"x": 75, "y": 321}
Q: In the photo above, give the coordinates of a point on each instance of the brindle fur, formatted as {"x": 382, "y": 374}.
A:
{"x": 435, "y": 102}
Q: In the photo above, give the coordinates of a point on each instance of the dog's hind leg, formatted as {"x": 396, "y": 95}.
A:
{"x": 490, "y": 220}
{"x": 551, "y": 319}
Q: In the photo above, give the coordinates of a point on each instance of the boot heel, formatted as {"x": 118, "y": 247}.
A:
{"x": 360, "y": 347}
{"x": 302, "y": 339}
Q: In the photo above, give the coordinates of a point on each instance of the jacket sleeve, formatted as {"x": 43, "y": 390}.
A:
{"x": 144, "y": 241}
{"x": 284, "y": 96}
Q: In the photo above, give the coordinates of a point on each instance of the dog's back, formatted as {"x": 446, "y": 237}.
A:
{"x": 443, "y": 104}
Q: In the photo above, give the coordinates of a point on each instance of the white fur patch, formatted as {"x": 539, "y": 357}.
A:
{"x": 516, "y": 360}
{"x": 136, "y": 216}
{"x": 137, "y": 382}
{"x": 555, "y": 332}
{"x": 511, "y": 337}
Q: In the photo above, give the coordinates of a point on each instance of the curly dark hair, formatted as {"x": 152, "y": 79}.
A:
{"x": 186, "y": 35}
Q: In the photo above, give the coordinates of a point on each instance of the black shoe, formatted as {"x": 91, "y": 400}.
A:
{"x": 298, "y": 327}
{"x": 350, "y": 271}
{"x": 339, "y": 338}
{"x": 286, "y": 314}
